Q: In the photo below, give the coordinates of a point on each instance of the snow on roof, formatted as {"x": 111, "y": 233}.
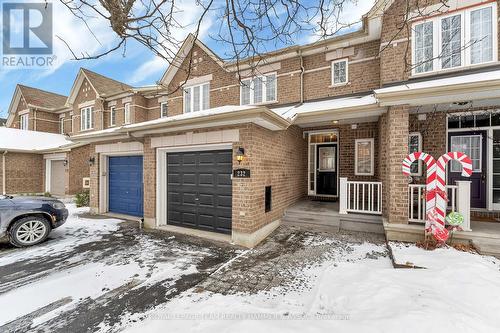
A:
{"x": 449, "y": 81}
{"x": 30, "y": 141}
{"x": 197, "y": 114}
{"x": 324, "y": 105}
{"x": 166, "y": 120}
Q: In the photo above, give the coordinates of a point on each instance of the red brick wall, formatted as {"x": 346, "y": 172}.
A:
{"x": 24, "y": 173}
{"x": 275, "y": 159}
{"x": 77, "y": 169}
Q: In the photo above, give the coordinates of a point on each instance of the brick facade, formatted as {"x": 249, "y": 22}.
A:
{"x": 396, "y": 192}
{"x": 77, "y": 169}
{"x": 24, "y": 173}
{"x": 276, "y": 159}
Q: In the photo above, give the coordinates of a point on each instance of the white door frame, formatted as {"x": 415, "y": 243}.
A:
{"x": 103, "y": 176}
{"x": 48, "y": 168}
{"x": 161, "y": 174}
{"x": 337, "y": 158}
{"x": 489, "y": 158}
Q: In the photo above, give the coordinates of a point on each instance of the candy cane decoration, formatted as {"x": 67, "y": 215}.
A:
{"x": 431, "y": 180}
{"x": 466, "y": 163}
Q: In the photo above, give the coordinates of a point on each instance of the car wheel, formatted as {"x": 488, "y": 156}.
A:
{"x": 29, "y": 231}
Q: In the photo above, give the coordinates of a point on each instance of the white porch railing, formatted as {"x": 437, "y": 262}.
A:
{"x": 360, "y": 197}
{"x": 458, "y": 201}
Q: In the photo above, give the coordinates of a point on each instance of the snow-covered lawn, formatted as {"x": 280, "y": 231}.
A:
{"x": 459, "y": 292}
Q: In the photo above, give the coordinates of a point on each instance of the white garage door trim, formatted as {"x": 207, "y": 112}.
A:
{"x": 48, "y": 168}
{"x": 161, "y": 175}
{"x": 103, "y": 177}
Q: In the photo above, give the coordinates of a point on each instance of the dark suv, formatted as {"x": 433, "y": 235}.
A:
{"x": 29, "y": 220}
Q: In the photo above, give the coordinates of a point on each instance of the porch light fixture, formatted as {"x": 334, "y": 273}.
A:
{"x": 65, "y": 162}
{"x": 91, "y": 161}
{"x": 240, "y": 154}
{"x": 335, "y": 122}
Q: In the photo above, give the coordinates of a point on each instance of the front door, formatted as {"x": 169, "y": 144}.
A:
{"x": 472, "y": 143}
{"x": 326, "y": 173}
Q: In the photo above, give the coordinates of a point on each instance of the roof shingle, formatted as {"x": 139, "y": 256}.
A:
{"x": 104, "y": 85}
{"x": 42, "y": 98}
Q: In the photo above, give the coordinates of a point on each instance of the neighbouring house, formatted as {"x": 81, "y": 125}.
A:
{"x": 37, "y": 155}
{"x": 3, "y": 121}
{"x": 328, "y": 121}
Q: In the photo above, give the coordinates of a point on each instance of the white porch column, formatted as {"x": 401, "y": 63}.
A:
{"x": 463, "y": 202}
{"x": 343, "y": 196}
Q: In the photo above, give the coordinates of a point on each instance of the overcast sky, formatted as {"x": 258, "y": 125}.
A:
{"x": 136, "y": 67}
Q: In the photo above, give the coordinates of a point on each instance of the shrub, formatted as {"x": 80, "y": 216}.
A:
{"x": 82, "y": 199}
{"x": 47, "y": 194}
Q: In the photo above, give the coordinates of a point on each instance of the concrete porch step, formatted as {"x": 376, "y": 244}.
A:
{"x": 350, "y": 223}
{"x": 487, "y": 247}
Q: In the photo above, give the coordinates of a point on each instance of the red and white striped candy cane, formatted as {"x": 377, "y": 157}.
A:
{"x": 431, "y": 177}
{"x": 441, "y": 201}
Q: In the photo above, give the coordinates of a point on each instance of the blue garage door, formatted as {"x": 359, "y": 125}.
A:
{"x": 126, "y": 185}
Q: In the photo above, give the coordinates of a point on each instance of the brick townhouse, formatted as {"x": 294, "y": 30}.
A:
{"x": 36, "y": 156}
{"x": 329, "y": 121}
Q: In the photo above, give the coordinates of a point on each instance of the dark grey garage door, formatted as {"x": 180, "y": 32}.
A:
{"x": 200, "y": 190}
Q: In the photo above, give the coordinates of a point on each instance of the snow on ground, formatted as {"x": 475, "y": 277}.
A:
{"x": 74, "y": 232}
{"x": 87, "y": 260}
{"x": 458, "y": 293}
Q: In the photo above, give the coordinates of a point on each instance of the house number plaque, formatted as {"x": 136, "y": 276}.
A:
{"x": 241, "y": 173}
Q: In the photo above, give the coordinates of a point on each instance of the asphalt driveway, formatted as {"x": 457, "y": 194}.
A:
{"x": 92, "y": 272}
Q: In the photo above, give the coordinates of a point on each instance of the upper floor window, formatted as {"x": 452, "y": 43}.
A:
{"x": 61, "y": 125}
{"x": 23, "y": 121}
{"x": 340, "y": 72}
{"x": 463, "y": 38}
{"x": 112, "y": 116}
{"x": 126, "y": 113}
{"x": 163, "y": 109}
{"x": 197, "y": 98}
{"x": 260, "y": 89}
{"x": 86, "y": 118}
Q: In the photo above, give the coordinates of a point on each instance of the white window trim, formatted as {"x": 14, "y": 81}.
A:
{"x": 24, "y": 122}
{"x": 161, "y": 109}
{"x": 333, "y": 84}
{"x": 465, "y": 38}
{"x": 126, "y": 114}
{"x": 372, "y": 157}
{"x": 82, "y": 122}
{"x": 191, "y": 87}
{"x": 419, "y": 162}
{"x": 264, "y": 92}
{"x": 112, "y": 115}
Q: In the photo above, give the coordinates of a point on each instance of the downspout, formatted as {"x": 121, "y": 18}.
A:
{"x": 4, "y": 181}
{"x": 302, "y": 70}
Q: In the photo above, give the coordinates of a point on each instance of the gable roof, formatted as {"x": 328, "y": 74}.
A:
{"x": 102, "y": 85}
{"x": 36, "y": 98}
{"x": 183, "y": 53}
{"x": 41, "y": 98}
